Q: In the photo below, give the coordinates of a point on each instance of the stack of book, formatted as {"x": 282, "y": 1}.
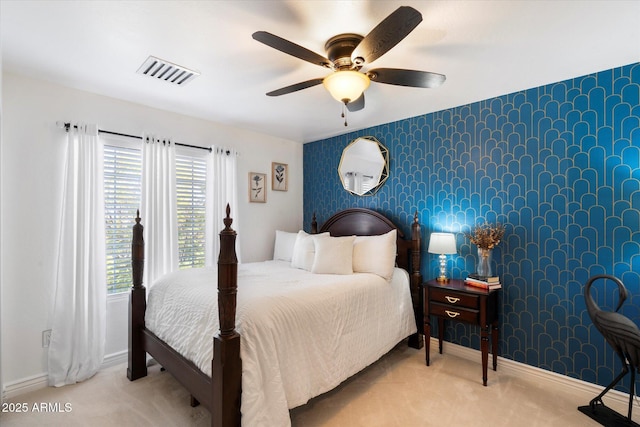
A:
{"x": 484, "y": 282}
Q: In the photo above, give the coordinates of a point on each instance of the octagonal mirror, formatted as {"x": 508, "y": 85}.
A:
{"x": 364, "y": 166}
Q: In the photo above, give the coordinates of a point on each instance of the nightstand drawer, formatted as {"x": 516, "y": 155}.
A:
{"x": 454, "y": 298}
{"x": 452, "y": 312}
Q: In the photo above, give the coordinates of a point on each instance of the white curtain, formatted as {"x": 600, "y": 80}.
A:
{"x": 159, "y": 205}
{"x": 76, "y": 349}
{"x": 222, "y": 188}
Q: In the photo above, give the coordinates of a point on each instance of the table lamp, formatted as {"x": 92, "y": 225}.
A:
{"x": 443, "y": 244}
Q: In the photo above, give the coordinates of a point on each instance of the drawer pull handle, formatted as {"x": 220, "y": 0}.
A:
{"x": 452, "y": 314}
{"x": 452, "y": 300}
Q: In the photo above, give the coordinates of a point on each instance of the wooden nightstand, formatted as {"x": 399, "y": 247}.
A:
{"x": 455, "y": 300}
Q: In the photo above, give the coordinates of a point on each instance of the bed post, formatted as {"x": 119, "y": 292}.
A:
{"x": 314, "y": 224}
{"x": 226, "y": 366}
{"x": 416, "y": 340}
{"x": 137, "y": 305}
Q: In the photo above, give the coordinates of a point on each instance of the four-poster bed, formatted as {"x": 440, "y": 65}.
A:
{"x": 221, "y": 392}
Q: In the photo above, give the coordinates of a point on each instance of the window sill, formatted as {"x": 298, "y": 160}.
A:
{"x": 118, "y": 296}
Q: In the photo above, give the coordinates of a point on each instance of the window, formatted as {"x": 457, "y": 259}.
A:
{"x": 191, "y": 180}
{"x": 122, "y": 182}
{"x": 122, "y": 188}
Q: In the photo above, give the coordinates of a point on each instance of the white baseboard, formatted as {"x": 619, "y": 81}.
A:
{"x": 26, "y": 385}
{"x": 114, "y": 359}
{"x": 614, "y": 399}
{"x": 36, "y": 382}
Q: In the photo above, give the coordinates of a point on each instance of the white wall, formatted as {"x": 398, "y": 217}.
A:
{"x": 32, "y": 168}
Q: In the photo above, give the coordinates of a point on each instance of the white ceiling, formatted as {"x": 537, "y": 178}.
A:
{"x": 485, "y": 48}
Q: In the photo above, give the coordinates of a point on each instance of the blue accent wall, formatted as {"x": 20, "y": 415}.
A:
{"x": 559, "y": 165}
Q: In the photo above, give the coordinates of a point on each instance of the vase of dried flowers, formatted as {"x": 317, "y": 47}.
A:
{"x": 485, "y": 256}
{"x": 485, "y": 237}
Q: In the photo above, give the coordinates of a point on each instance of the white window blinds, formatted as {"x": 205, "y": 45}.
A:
{"x": 122, "y": 180}
{"x": 191, "y": 180}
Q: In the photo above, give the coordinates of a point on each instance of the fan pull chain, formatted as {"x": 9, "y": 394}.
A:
{"x": 344, "y": 113}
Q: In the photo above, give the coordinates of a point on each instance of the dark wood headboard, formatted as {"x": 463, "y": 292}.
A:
{"x": 365, "y": 222}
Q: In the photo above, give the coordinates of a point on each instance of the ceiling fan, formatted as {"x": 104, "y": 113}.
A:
{"x": 348, "y": 53}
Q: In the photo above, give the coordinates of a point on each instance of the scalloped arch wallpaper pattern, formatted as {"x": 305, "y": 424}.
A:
{"x": 559, "y": 165}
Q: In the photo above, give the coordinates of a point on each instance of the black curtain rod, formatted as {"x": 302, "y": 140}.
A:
{"x": 68, "y": 125}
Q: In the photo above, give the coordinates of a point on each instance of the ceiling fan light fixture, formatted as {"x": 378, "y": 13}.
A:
{"x": 346, "y": 86}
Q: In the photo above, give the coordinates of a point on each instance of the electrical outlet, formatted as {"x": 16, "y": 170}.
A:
{"x": 46, "y": 338}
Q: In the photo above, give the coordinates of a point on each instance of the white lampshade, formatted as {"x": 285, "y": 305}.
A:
{"x": 442, "y": 243}
{"x": 346, "y": 86}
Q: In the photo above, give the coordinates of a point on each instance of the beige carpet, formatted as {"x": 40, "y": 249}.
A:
{"x": 398, "y": 390}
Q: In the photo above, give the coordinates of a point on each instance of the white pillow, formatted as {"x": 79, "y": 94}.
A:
{"x": 304, "y": 250}
{"x": 283, "y": 248}
{"x": 375, "y": 254}
{"x": 334, "y": 255}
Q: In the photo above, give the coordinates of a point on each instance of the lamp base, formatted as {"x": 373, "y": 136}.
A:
{"x": 442, "y": 279}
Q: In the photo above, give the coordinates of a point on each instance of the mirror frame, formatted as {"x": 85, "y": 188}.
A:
{"x": 384, "y": 152}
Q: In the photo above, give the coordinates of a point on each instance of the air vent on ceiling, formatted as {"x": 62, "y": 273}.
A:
{"x": 167, "y": 71}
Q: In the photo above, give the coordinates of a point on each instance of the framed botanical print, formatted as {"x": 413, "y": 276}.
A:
{"x": 257, "y": 187}
{"x": 279, "y": 176}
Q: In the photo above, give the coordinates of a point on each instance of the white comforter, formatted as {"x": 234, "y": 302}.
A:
{"x": 302, "y": 334}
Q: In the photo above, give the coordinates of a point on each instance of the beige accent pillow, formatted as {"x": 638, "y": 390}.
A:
{"x": 375, "y": 254}
{"x": 283, "y": 248}
{"x": 334, "y": 255}
{"x": 304, "y": 250}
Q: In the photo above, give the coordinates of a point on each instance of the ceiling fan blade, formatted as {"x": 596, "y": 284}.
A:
{"x": 291, "y": 48}
{"x": 356, "y": 105}
{"x": 296, "y": 87}
{"x": 386, "y": 35}
{"x": 400, "y": 77}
